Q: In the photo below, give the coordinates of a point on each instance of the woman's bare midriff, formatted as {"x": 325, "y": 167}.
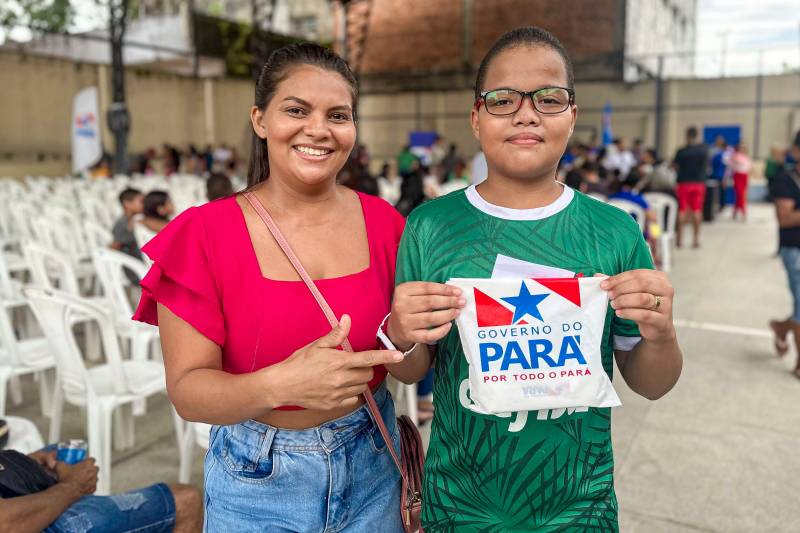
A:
{"x": 307, "y": 418}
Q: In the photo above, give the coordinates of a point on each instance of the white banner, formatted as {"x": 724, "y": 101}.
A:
{"x": 87, "y": 149}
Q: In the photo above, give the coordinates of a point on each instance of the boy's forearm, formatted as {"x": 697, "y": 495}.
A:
{"x": 414, "y": 367}
{"x": 652, "y": 369}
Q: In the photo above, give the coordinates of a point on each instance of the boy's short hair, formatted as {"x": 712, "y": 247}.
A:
{"x": 128, "y": 194}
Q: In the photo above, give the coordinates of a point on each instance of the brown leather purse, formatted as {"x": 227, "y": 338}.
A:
{"x": 412, "y": 455}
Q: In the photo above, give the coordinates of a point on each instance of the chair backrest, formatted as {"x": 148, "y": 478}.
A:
{"x": 142, "y": 234}
{"x": 7, "y": 289}
{"x": 97, "y": 237}
{"x": 22, "y": 216}
{"x": 46, "y": 264}
{"x": 96, "y": 209}
{"x": 631, "y": 208}
{"x": 8, "y": 339}
{"x": 57, "y": 313}
{"x": 666, "y": 208}
{"x": 74, "y": 245}
{"x": 110, "y": 265}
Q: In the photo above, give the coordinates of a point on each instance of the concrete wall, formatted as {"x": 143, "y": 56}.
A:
{"x": 36, "y": 103}
{"x": 36, "y": 109}
{"x": 386, "y": 119}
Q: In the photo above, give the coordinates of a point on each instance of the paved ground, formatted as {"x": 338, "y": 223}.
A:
{"x": 719, "y": 453}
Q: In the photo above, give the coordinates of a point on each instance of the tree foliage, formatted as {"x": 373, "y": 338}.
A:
{"x": 37, "y": 15}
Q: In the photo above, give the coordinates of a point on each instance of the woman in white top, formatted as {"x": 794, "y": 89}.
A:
{"x": 389, "y": 182}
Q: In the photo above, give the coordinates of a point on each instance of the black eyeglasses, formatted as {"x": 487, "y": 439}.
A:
{"x": 548, "y": 100}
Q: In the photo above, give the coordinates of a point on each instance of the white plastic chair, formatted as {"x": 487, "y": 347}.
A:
{"x": 631, "y": 208}
{"x": 110, "y": 265}
{"x": 142, "y": 234}
{"x": 666, "y": 209}
{"x": 23, "y": 436}
{"x": 54, "y": 270}
{"x": 104, "y": 390}
{"x": 20, "y": 357}
{"x": 194, "y": 434}
{"x": 97, "y": 236}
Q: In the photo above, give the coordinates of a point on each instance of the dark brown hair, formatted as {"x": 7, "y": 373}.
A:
{"x": 274, "y": 71}
{"x": 524, "y": 36}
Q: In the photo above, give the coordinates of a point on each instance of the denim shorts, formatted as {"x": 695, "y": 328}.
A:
{"x": 791, "y": 261}
{"x": 337, "y": 477}
{"x": 147, "y": 510}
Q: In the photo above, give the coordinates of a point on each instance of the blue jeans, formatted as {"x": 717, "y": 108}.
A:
{"x": 147, "y": 510}
{"x": 337, "y": 477}
{"x": 791, "y": 261}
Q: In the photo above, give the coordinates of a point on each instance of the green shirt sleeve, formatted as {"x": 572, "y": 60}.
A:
{"x": 625, "y": 332}
{"x": 409, "y": 257}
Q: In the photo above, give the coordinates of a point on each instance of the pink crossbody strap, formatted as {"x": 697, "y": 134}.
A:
{"x": 323, "y": 304}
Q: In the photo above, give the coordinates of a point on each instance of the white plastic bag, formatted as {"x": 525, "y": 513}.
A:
{"x": 534, "y": 343}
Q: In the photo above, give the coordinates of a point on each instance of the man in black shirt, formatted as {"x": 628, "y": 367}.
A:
{"x": 786, "y": 194}
{"x": 691, "y": 163}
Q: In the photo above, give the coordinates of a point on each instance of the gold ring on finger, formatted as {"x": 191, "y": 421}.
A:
{"x": 657, "y": 304}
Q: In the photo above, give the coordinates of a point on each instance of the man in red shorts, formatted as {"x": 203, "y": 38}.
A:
{"x": 691, "y": 163}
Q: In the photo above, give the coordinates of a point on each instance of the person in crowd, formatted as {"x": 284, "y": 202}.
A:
{"x": 438, "y": 152}
{"x": 218, "y": 186}
{"x": 720, "y": 155}
{"x": 411, "y": 189}
{"x": 433, "y": 181}
{"x": 786, "y": 196}
{"x": 101, "y": 169}
{"x": 69, "y": 503}
{"x": 449, "y": 161}
{"x": 740, "y": 166}
{"x": 355, "y": 174}
{"x": 406, "y": 160}
{"x": 478, "y": 168}
{"x": 568, "y": 159}
{"x": 157, "y": 210}
{"x": 480, "y": 474}
{"x": 619, "y": 158}
{"x": 389, "y": 182}
{"x": 657, "y": 176}
{"x": 247, "y": 347}
{"x": 221, "y": 156}
{"x": 575, "y": 180}
{"x": 691, "y": 164}
{"x": 132, "y": 202}
{"x": 775, "y": 162}
{"x": 595, "y": 184}
{"x": 171, "y": 158}
{"x": 637, "y": 150}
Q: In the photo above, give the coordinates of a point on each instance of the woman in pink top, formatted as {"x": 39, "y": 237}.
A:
{"x": 740, "y": 167}
{"x": 247, "y": 348}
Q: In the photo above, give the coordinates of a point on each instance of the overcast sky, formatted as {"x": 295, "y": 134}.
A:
{"x": 748, "y": 25}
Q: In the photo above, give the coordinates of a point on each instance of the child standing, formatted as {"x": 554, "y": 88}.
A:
{"x": 551, "y": 469}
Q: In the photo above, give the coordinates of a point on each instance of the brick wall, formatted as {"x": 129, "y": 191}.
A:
{"x": 427, "y": 35}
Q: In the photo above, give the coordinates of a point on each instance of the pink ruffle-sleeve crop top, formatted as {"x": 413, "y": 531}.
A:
{"x": 205, "y": 271}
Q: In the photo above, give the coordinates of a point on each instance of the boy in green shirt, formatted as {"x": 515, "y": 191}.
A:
{"x": 526, "y": 471}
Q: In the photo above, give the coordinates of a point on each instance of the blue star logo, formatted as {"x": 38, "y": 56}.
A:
{"x": 525, "y": 303}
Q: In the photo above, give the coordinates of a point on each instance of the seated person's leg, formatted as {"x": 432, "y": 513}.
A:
{"x": 153, "y": 507}
{"x": 188, "y": 508}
